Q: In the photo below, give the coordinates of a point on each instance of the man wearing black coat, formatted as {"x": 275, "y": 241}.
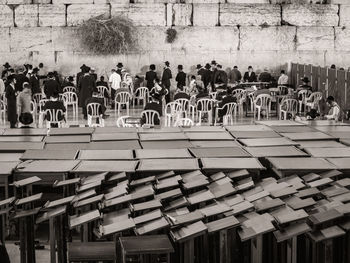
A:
{"x": 51, "y": 86}
{"x": 180, "y": 77}
{"x": 250, "y": 75}
{"x": 86, "y": 86}
{"x": 228, "y": 98}
{"x": 11, "y": 101}
{"x": 35, "y": 82}
{"x": 166, "y": 77}
{"x": 20, "y": 79}
{"x": 207, "y": 75}
{"x": 151, "y": 75}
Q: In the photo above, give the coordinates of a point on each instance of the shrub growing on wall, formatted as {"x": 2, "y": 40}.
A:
{"x": 171, "y": 35}
{"x": 108, "y": 36}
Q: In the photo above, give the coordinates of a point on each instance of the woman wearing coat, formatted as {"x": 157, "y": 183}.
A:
{"x": 11, "y": 101}
{"x": 86, "y": 86}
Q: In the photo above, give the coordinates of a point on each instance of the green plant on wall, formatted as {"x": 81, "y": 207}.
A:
{"x": 108, "y": 36}
{"x": 171, "y": 34}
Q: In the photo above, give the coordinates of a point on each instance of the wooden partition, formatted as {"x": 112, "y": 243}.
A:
{"x": 331, "y": 82}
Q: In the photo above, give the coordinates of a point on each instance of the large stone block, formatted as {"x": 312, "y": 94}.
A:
{"x": 205, "y": 14}
{"x": 179, "y": 14}
{"x": 3, "y": 2}
{"x": 205, "y": 1}
{"x": 4, "y": 40}
{"x": 342, "y": 39}
{"x": 35, "y": 39}
{"x": 315, "y": 38}
{"x": 339, "y": 2}
{"x": 42, "y": 2}
{"x": 6, "y": 16}
{"x": 58, "y": 2}
{"x": 52, "y": 15}
{"x": 310, "y": 15}
{"x": 77, "y": 14}
{"x": 27, "y": 15}
{"x": 250, "y": 15}
{"x": 248, "y": 1}
{"x": 151, "y": 39}
{"x": 18, "y": 2}
{"x": 201, "y": 39}
{"x": 344, "y": 14}
{"x": 142, "y": 14}
{"x": 267, "y": 38}
{"x": 66, "y": 39}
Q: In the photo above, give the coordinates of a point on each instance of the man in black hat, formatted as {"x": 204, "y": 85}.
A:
{"x": 180, "y": 78}
{"x": 200, "y": 71}
{"x": 250, "y": 75}
{"x": 155, "y": 105}
{"x": 69, "y": 82}
{"x": 214, "y": 74}
{"x": 221, "y": 78}
{"x": 207, "y": 75}
{"x": 151, "y": 75}
{"x": 120, "y": 68}
{"x": 81, "y": 73}
{"x": 11, "y": 100}
{"x": 305, "y": 84}
{"x": 51, "y": 86}
{"x": 166, "y": 76}
{"x": 6, "y": 70}
{"x": 235, "y": 75}
{"x": 34, "y": 81}
{"x": 20, "y": 79}
{"x": 86, "y": 86}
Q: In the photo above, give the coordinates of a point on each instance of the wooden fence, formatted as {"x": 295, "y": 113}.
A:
{"x": 331, "y": 82}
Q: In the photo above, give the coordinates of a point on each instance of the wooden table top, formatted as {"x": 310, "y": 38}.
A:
{"x": 267, "y": 142}
{"x": 21, "y": 138}
{"x": 105, "y": 166}
{"x": 204, "y": 129}
{"x": 10, "y": 157}
{"x": 159, "y": 130}
{"x": 114, "y": 145}
{"x": 277, "y": 151}
{"x": 301, "y": 163}
{"x": 163, "y": 136}
{"x": 168, "y": 164}
{"x": 106, "y": 155}
{"x": 340, "y": 163}
{"x": 162, "y": 153}
{"x": 254, "y": 134}
{"x": 25, "y": 132}
{"x": 231, "y": 163}
{"x": 166, "y": 144}
{"x": 71, "y": 131}
{"x": 114, "y": 136}
{"x": 252, "y": 127}
{"x": 219, "y": 152}
{"x": 319, "y": 144}
{"x": 114, "y": 130}
{"x": 20, "y": 146}
{"x": 216, "y": 144}
{"x": 50, "y": 154}
{"x": 6, "y": 168}
{"x": 280, "y": 123}
{"x": 290, "y": 129}
{"x": 85, "y": 251}
{"x": 68, "y": 139}
{"x": 308, "y": 136}
{"x": 153, "y": 244}
{"x": 66, "y": 146}
{"x": 47, "y": 166}
{"x": 208, "y": 136}
{"x": 329, "y": 152}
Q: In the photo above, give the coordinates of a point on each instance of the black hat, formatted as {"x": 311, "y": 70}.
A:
{"x": 219, "y": 66}
{"x": 213, "y": 62}
{"x": 70, "y": 78}
{"x": 83, "y": 66}
{"x": 120, "y": 65}
{"x": 7, "y": 65}
{"x": 152, "y": 67}
{"x": 305, "y": 79}
{"x": 180, "y": 67}
{"x": 50, "y": 75}
{"x": 207, "y": 66}
{"x": 199, "y": 66}
{"x": 167, "y": 63}
{"x": 156, "y": 96}
{"x": 35, "y": 70}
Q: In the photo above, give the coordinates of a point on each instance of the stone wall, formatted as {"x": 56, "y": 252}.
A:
{"x": 260, "y": 33}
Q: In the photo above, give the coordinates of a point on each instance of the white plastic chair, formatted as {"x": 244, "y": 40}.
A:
{"x": 187, "y": 110}
{"x": 101, "y": 91}
{"x": 302, "y": 96}
{"x": 69, "y": 89}
{"x": 150, "y": 117}
{"x": 241, "y": 96}
{"x": 53, "y": 115}
{"x": 283, "y": 90}
{"x": 33, "y": 111}
{"x": 93, "y": 111}
{"x": 230, "y": 114}
{"x": 313, "y": 101}
{"x": 2, "y": 112}
{"x": 37, "y": 97}
{"x": 71, "y": 99}
{"x": 213, "y": 95}
{"x": 204, "y": 106}
{"x": 251, "y": 98}
{"x": 262, "y": 102}
{"x": 121, "y": 122}
{"x": 172, "y": 112}
{"x": 122, "y": 98}
{"x": 142, "y": 93}
{"x": 184, "y": 122}
{"x": 41, "y": 114}
{"x": 288, "y": 106}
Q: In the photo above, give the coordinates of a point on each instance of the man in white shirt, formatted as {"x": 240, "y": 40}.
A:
{"x": 2, "y": 87}
{"x": 283, "y": 79}
{"x": 334, "y": 112}
{"x": 114, "y": 82}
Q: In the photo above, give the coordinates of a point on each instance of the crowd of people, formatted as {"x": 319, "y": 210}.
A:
{"x": 20, "y": 86}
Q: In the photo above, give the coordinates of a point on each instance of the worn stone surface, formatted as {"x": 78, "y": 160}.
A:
{"x": 151, "y": 39}
{"x": 58, "y": 2}
{"x": 36, "y": 39}
{"x": 315, "y": 38}
{"x": 342, "y": 39}
{"x": 142, "y": 14}
{"x": 248, "y": 1}
{"x": 52, "y": 15}
{"x": 66, "y": 39}
{"x": 267, "y": 38}
{"x": 179, "y": 15}
{"x": 76, "y": 14}
{"x": 27, "y": 15}
{"x": 42, "y": 2}
{"x": 205, "y": 14}
{"x": 310, "y": 15}
{"x": 18, "y": 2}
{"x": 344, "y": 13}
{"x": 4, "y": 39}
{"x": 249, "y": 14}
{"x": 6, "y": 16}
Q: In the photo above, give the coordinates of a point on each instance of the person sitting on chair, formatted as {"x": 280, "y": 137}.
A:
{"x": 334, "y": 111}
{"x": 96, "y": 99}
{"x": 155, "y": 105}
{"x": 305, "y": 84}
{"x": 226, "y": 98}
{"x": 181, "y": 94}
{"x": 55, "y": 104}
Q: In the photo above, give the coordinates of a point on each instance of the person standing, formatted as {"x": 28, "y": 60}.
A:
{"x": 151, "y": 75}
{"x": 114, "y": 82}
{"x": 11, "y": 101}
{"x": 235, "y": 75}
{"x": 120, "y": 67}
{"x": 35, "y": 82}
{"x": 51, "y": 86}
{"x": 166, "y": 77}
{"x": 86, "y": 86}
{"x": 283, "y": 79}
{"x": 180, "y": 78}
{"x": 214, "y": 75}
{"x": 207, "y": 74}
{"x": 20, "y": 79}
{"x": 24, "y": 99}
